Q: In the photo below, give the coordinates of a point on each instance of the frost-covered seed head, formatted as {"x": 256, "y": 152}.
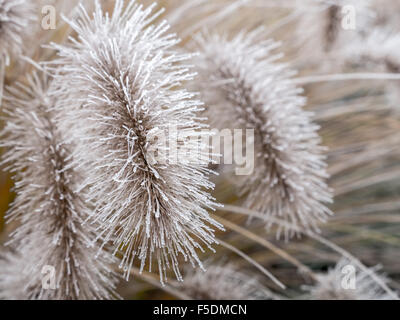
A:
{"x": 16, "y": 17}
{"x": 245, "y": 88}
{"x": 333, "y": 285}
{"x": 51, "y": 215}
{"x": 223, "y": 281}
{"x": 13, "y": 278}
{"x": 324, "y": 28}
{"x": 121, "y": 83}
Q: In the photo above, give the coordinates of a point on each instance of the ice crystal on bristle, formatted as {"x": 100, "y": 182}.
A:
{"x": 223, "y": 281}
{"x": 245, "y": 88}
{"x": 122, "y": 85}
{"x": 332, "y": 285}
{"x": 51, "y": 215}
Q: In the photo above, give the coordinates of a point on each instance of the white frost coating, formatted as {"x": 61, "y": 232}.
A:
{"x": 224, "y": 281}
{"x": 16, "y": 18}
{"x": 121, "y": 84}
{"x": 334, "y": 285}
{"x": 326, "y": 27}
{"x": 245, "y": 88}
{"x": 51, "y": 215}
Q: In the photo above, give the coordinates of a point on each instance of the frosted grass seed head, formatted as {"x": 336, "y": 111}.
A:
{"x": 245, "y": 87}
{"x": 121, "y": 80}
{"x": 223, "y": 281}
{"x": 13, "y": 278}
{"x": 324, "y": 28}
{"x": 50, "y": 214}
{"x": 16, "y": 18}
{"x": 336, "y": 285}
